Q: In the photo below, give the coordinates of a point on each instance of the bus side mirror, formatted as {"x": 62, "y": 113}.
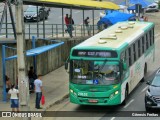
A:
{"x": 148, "y": 82}
{"x": 124, "y": 66}
{"x": 66, "y": 65}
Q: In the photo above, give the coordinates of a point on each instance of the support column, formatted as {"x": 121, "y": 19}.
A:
{"x": 6, "y": 24}
{"x": 37, "y": 23}
{"x": 93, "y": 20}
{"x": 4, "y": 73}
{"x": 71, "y": 20}
{"x": 83, "y": 24}
{"x": 34, "y": 57}
{"x": 43, "y": 23}
{"x": 2, "y": 18}
{"x": 23, "y": 84}
{"x": 12, "y": 19}
{"x": 127, "y": 3}
{"x": 62, "y": 23}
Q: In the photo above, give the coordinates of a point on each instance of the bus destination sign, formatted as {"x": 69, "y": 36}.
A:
{"x": 94, "y": 53}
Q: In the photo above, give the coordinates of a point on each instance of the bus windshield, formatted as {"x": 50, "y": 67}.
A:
{"x": 94, "y": 72}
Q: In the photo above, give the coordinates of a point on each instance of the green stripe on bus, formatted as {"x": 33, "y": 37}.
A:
{"x": 148, "y": 27}
{"x": 122, "y": 47}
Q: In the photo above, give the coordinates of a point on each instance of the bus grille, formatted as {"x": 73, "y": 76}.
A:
{"x": 156, "y": 99}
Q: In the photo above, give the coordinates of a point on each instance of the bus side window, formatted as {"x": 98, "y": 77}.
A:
{"x": 148, "y": 35}
{"x": 127, "y": 57}
{"x": 152, "y": 37}
{"x": 139, "y": 48}
{"x": 130, "y": 59}
{"x": 132, "y": 54}
{"x": 137, "y": 52}
{"x": 147, "y": 41}
{"x": 124, "y": 58}
{"x": 143, "y": 45}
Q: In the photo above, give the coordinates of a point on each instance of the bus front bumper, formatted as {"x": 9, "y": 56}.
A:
{"x": 112, "y": 100}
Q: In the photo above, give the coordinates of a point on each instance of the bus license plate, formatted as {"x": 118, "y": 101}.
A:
{"x": 93, "y": 101}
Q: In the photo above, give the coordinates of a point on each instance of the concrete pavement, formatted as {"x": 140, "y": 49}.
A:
{"x": 55, "y": 85}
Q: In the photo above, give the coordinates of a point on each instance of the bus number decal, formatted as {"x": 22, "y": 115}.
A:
{"x": 83, "y": 77}
{"x": 82, "y": 94}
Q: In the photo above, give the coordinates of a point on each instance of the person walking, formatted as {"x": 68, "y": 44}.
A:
{"x": 66, "y": 19}
{"x": 86, "y": 22}
{"x": 38, "y": 91}
{"x": 141, "y": 18}
{"x": 70, "y": 27}
{"x": 14, "y": 98}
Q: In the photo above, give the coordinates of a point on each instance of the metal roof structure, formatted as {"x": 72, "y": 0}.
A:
{"x": 37, "y": 51}
{"x": 75, "y": 4}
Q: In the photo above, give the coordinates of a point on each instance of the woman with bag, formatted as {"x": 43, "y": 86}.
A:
{"x": 14, "y": 98}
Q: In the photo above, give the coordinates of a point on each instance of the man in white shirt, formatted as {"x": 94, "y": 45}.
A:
{"x": 38, "y": 91}
{"x": 14, "y": 98}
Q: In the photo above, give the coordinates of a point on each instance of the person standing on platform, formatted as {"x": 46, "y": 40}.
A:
{"x": 66, "y": 19}
{"x": 38, "y": 90}
{"x": 32, "y": 76}
{"x": 14, "y": 98}
{"x": 70, "y": 28}
{"x": 86, "y": 22}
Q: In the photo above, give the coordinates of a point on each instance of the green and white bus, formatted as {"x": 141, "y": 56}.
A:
{"x": 105, "y": 68}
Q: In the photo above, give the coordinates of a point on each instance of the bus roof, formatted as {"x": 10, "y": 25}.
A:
{"x": 116, "y": 36}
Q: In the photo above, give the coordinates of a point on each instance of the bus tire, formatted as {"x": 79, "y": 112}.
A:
{"x": 126, "y": 94}
{"x": 145, "y": 72}
{"x": 147, "y": 109}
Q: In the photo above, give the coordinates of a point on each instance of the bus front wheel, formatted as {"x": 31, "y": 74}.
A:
{"x": 145, "y": 73}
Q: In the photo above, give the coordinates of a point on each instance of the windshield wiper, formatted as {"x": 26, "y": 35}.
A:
{"x": 154, "y": 85}
{"x": 100, "y": 68}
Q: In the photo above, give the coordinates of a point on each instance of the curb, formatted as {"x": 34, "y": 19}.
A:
{"x": 56, "y": 102}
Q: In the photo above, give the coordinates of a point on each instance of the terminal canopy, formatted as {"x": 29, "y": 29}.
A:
{"x": 76, "y": 4}
{"x": 37, "y": 51}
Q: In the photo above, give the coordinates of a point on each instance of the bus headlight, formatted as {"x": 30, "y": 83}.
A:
{"x": 74, "y": 93}
{"x": 116, "y": 93}
{"x": 71, "y": 90}
{"x": 113, "y": 94}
